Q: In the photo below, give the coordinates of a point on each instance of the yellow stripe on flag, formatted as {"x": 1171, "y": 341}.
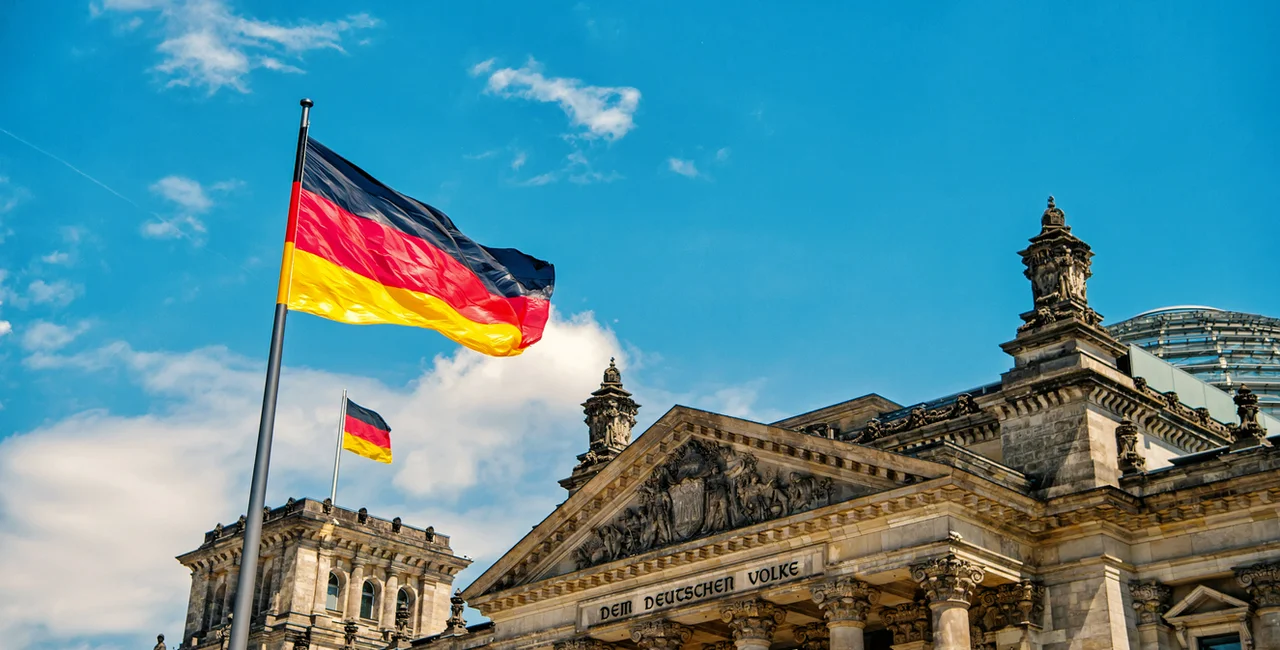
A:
{"x": 365, "y": 448}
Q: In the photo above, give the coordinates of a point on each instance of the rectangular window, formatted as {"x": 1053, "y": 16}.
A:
{"x": 1223, "y": 642}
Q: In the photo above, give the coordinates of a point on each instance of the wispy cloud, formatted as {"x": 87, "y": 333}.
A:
{"x": 722, "y": 154}
{"x": 191, "y": 199}
{"x": 187, "y": 193}
{"x": 58, "y": 292}
{"x": 683, "y": 167}
{"x": 518, "y": 161}
{"x": 602, "y": 111}
{"x": 483, "y": 155}
{"x": 42, "y": 336}
{"x": 577, "y": 169}
{"x": 208, "y": 45}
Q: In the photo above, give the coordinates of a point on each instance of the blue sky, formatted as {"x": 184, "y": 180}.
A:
{"x": 760, "y": 208}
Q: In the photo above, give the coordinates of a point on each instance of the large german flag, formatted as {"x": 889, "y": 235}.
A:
{"x": 363, "y": 253}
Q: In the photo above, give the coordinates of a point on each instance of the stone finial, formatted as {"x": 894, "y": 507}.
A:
{"x": 1131, "y": 461}
{"x": 396, "y": 525}
{"x": 814, "y": 636}
{"x": 1021, "y": 602}
{"x": 753, "y": 619}
{"x": 845, "y": 600}
{"x": 1058, "y": 265}
{"x": 610, "y": 415}
{"x": 1150, "y": 601}
{"x": 908, "y": 622}
{"x": 660, "y": 635}
{"x": 349, "y": 630}
{"x": 327, "y": 506}
{"x": 456, "y": 624}
{"x": 948, "y": 579}
{"x": 1262, "y": 581}
{"x": 430, "y": 533}
{"x": 362, "y": 515}
{"x": 159, "y": 643}
{"x": 1250, "y": 433}
{"x": 402, "y": 619}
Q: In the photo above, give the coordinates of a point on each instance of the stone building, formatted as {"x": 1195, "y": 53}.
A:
{"x": 328, "y": 578}
{"x": 1067, "y": 505}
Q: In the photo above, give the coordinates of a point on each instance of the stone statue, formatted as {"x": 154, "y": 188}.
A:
{"x": 159, "y": 643}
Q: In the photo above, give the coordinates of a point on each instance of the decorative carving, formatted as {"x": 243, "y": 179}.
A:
{"x": 821, "y": 430}
{"x": 1140, "y": 383}
{"x": 845, "y": 599}
{"x": 1250, "y": 433}
{"x": 753, "y": 619}
{"x": 1131, "y": 462}
{"x": 402, "y": 620}
{"x": 327, "y": 506}
{"x": 917, "y": 417}
{"x": 1262, "y": 581}
{"x": 814, "y": 636}
{"x": 395, "y": 525}
{"x": 586, "y": 643}
{"x": 349, "y": 630}
{"x": 1058, "y": 266}
{"x": 430, "y": 532}
{"x": 703, "y": 489}
{"x": 948, "y": 579}
{"x": 660, "y": 635}
{"x": 610, "y": 415}
{"x": 720, "y": 645}
{"x": 1150, "y": 601}
{"x": 456, "y": 624}
{"x": 1015, "y": 604}
{"x": 301, "y": 638}
{"x": 908, "y": 622}
{"x": 290, "y": 502}
{"x": 362, "y": 515}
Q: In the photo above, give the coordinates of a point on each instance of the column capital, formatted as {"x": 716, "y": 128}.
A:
{"x": 814, "y": 636}
{"x": 1262, "y": 581}
{"x": 582, "y": 643}
{"x": 660, "y": 635}
{"x": 845, "y": 600}
{"x": 720, "y": 645}
{"x": 1150, "y": 601}
{"x": 948, "y": 579}
{"x": 753, "y": 619}
{"x": 908, "y": 622}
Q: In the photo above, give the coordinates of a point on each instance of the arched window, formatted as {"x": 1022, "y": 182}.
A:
{"x": 368, "y": 594}
{"x": 219, "y": 605}
{"x": 331, "y": 596}
{"x": 404, "y": 600}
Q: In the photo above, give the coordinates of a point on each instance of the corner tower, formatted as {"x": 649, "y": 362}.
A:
{"x": 611, "y": 413}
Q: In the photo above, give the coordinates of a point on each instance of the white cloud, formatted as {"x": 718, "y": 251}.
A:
{"x": 518, "y": 161}
{"x": 482, "y": 67}
{"x": 480, "y": 156}
{"x": 140, "y": 489}
{"x": 683, "y": 167}
{"x": 11, "y": 195}
{"x": 5, "y": 327}
{"x": 191, "y": 199}
{"x": 577, "y": 169}
{"x": 187, "y": 193}
{"x": 603, "y": 111}
{"x": 722, "y": 154}
{"x": 46, "y": 337}
{"x": 56, "y": 257}
{"x": 207, "y": 45}
{"x": 58, "y": 292}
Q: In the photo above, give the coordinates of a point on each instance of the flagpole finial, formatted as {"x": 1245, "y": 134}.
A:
{"x": 306, "y": 103}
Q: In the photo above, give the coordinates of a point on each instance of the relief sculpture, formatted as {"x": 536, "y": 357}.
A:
{"x": 704, "y": 489}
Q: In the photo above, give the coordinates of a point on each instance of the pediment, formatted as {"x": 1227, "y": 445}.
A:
{"x": 1204, "y": 600}
{"x": 696, "y": 476}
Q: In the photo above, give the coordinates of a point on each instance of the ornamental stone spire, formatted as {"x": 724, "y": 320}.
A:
{"x": 611, "y": 413}
{"x": 1058, "y": 265}
{"x": 1250, "y": 433}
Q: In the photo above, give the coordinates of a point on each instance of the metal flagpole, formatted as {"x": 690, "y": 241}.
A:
{"x": 337, "y": 453}
{"x": 241, "y": 611}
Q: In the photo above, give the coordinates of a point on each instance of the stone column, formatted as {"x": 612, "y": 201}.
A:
{"x": 948, "y": 584}
{"x": 909, "y": 624}
{"x": 845, "y": 602}
{"x": 753, "y": 622}
{"x": 323, "y": 566}
{"x": 390, "y": 592}
{"x": 1151, "y": 601}
{"x": 815, "y": 636}
{"x": 355, "y": 582}
{"x": 1262, "y": 581}
{"x": 660, "y": 635}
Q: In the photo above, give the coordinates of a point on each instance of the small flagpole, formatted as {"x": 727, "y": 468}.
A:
{"x": 337, "y": 453}
{"x": 241, "y": 610}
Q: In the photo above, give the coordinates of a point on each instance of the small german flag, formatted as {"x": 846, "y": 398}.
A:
{"x": 364, "y": 432}
{"x": 359, "y": 252}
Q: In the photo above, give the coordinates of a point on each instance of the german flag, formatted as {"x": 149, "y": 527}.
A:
{"x": 362, "y": 253}
{"x": 364, "y": 432}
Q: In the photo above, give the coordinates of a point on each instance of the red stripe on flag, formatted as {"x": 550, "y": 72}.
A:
{"x": 367, "y": 432}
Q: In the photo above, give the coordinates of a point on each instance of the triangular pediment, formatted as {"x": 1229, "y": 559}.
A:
{"x": 1204, "y": 600}
{"x": 691, "y": 478}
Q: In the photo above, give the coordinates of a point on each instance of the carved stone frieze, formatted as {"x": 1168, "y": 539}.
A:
{"x": 916, "y": 418}
{"x": 1262, "y": 581}
{"x": 948, "y": 578}
{"x": 584, "y": 643}
{"x": 1131, "y": 461}
{"x": 1150, "y": 601}
{"x": 814, "y": 636}
{"x": 753, "y": 619}
{"x": 845, "y": 599}
{"x": 660, "y": 635}
{"x": 720, "y": 645}
{"x": 908, "y": 622}
{"x": 705, "y": 488}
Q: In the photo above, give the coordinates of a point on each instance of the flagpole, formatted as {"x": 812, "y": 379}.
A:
{"x": 337, "y": 453}
{"x": 241, "y": 611}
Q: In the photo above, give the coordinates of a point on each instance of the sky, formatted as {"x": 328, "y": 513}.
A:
{"x": 758, "y": 208}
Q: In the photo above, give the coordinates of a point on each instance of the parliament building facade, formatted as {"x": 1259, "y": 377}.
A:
{"x": 1066, "y": 506}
